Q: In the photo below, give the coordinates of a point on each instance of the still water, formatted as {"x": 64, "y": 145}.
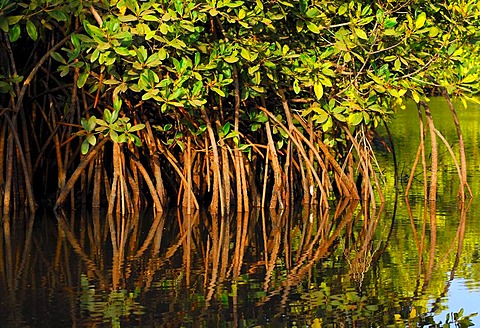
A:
{"x": 398, "y": 266}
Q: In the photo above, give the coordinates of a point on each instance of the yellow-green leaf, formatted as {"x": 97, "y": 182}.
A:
{"x": 296, "y": 87}
{"x": 231, "y": 59}
{"x": 318, "y": 89}
{"x": 246, "y": 54}
{"x": 312, "y": 27}
{"x": 355, "y": 118}
{"x": 347, "y": 57}
{"x": 470, "y": 78}
{"x": 241, "y": 14}
{"x": 420, "y": 20}
{"x": 361, "y": 34}
{"x": 433, "y": 32}
{"x": 4, "y": 24}
{"x": 415, "y": 96}
{"x": 218, "y": 91}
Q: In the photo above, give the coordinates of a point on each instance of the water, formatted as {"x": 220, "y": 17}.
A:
{"x": 299, "y": 269}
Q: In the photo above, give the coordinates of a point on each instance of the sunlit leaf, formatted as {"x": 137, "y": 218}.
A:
{"x": 422, "y": 17}
{"x": 312, "y": 27}
{"x": 246, "y": 54}
{"x": 318, "y": 89}
{"x": 361, "y": 34}
{"x": 355, "y": 118}
{"x": 218, "y": 91}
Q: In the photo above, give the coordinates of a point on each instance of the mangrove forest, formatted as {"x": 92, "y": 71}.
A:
{"x": 230, "y": 136}
{"x": 221, "y": 104}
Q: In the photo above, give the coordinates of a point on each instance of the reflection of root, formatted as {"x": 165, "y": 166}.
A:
{"x": 360, "y": 264}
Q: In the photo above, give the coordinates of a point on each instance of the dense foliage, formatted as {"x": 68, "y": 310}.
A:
{"x": 218, "y": 102}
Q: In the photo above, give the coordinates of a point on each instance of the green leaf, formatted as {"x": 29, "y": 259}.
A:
{"x": 420, "y": 20}
{"x": 299, "y": 26}
{"x": 64, "y": 70}
{"x": 113, "y": 136}
{"x": 137, "y": 127}
{"x": 312, "y": 12}
{"x": 58, "y": 57}
{"x": 246, "y": 54}
{"x": 75, "y": 40}
{"x": 107, "y": 116}
{"x": 361, "y": 34}
{"x": 91, "y": 123}
{"x": 470, "y": 78}
{"x": 390, "y": 22}
{"x": 197, "y": 58}
{"x": 150, "y": 18}
{"x": 226, "y": 128}
{"x": 342, "y": 9}
{"x": 115, "y": 113}
{"x": 85, "y": 147}
{"x": 121, "y": 138}
{"x": 4, "y": 24}
{"x": 218, "y": 91}
{"x": 14, "y": 19}
{"x": 122, "y": 51}
{"x": 142, "y": 54}
{"x": 136, "y": 140}
{"x": 95, "y": 55}
{"x": 232, "y": 135}
{"x": 231, "y": 59}
{"x": 92, "y": 30}
{"x": 14, "y": 33}
{"x": 320, "y": 115}
{"x": 82, "y": 79}
{"x": 327, "y": 125}
{"x": 117, "y": 104}
{"x": 127, "y": 18}
{"x": 313, "y": 27}
{"x": 91, "y": 139}
{"x": 355, "y": 118}
{"x": 296, "y": 87}
{"x": 58, "y": 15}
{"x": 241, "y": 14}
{"x": 176, "y": 94}
{"x": 415, "y": 96}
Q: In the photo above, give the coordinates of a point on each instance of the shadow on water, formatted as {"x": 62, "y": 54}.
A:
{"x": 294, "y": 268}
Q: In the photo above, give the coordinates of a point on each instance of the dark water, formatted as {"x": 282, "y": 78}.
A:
{"x": 399, "y": 266}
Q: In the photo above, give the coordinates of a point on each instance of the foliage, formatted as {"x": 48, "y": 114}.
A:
{"x": 341, "y": 65}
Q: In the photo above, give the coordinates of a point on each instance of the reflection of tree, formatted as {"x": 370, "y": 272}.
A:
{"x": 330, "y": 265}
{"x": 15, "y": 265}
